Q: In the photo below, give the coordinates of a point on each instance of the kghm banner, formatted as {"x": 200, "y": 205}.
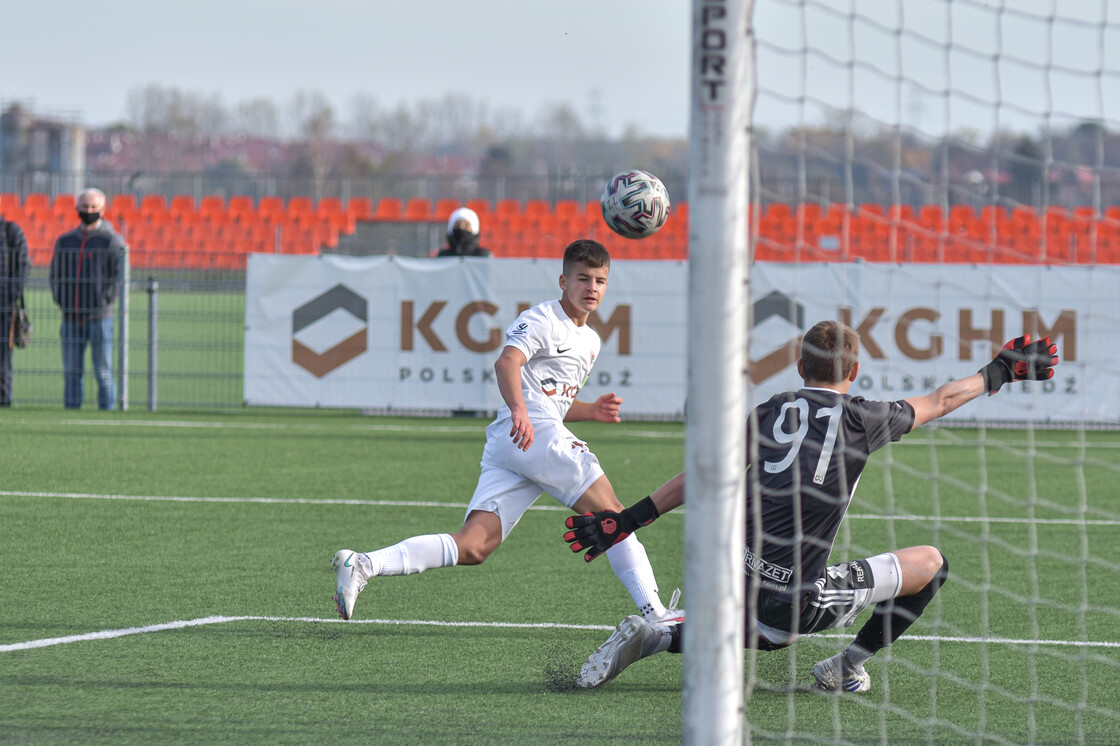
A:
{"x": 398, "y": 333}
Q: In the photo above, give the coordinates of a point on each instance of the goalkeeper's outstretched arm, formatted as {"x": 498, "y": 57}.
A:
{"x": 1019, "y": 360}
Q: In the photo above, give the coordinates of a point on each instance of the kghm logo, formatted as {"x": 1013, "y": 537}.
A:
{"x": 337, "y": 298}
{"x": 548, "y": 387}
{"x": 777, "y": 305}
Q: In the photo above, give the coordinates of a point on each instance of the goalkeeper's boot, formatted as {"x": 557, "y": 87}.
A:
{"x": 632, "y": 640}
{"x": 837, "y": 673}
{"x": 672, "y": 615}
{"x": 352, "y": 579}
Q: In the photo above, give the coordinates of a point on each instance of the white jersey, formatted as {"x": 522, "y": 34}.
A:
{"x": 558, "y": 355}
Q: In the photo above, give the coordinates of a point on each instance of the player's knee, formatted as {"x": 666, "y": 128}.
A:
{"x": 937, "y": 570}
{"x": 473, "y": 549}
{"x": 473, "y": 554}
{"x": 933, "y": 562}
{"x": 942, "y": 573}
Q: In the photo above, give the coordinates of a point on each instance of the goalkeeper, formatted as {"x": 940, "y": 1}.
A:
{"x": 812, "y": 445}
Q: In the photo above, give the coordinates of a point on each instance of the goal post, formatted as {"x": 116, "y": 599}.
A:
{"x": 717, "y": 408}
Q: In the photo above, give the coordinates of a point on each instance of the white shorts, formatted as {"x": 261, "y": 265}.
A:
{"x": 558, "y": 463}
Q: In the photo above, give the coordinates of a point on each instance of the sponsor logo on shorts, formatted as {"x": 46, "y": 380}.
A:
{"x": 764, "y": 568}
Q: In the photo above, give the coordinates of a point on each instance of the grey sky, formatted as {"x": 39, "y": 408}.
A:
{"x": 618, "y": 62}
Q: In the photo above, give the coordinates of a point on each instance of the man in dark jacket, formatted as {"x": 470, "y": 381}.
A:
{"x": 85, "y": 280}
{"x": 13, "y": 276}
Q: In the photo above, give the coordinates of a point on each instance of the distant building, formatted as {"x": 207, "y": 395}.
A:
{"x": 38, "y": 154}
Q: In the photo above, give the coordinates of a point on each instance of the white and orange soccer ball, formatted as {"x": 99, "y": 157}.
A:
{"x": 635, "y": 204}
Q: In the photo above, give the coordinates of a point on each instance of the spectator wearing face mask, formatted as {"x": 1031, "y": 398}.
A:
{"x": 462, "y": 235}
{"x": 85, "y": 279}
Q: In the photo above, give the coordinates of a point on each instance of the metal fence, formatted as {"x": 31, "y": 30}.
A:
{"x": 549, "y": 185}
{"x": 179, "y": 331}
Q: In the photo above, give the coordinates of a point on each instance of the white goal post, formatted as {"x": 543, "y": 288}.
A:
{"x": 716, "y": 402}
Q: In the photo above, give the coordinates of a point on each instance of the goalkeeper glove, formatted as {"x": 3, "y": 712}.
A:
{"x": 598, "y": 532}
{"x": 1021, "y": 360}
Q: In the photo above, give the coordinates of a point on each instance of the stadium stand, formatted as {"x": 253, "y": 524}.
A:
{"x": 213, "y": 232}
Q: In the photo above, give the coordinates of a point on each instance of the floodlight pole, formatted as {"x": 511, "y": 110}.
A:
{"x": 717, "y": 363}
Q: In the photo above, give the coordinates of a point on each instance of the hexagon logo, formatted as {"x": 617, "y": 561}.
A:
{"x": 338, "y": 298}
{"x": 780, "y": 307}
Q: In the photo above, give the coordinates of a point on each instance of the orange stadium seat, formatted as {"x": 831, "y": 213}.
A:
{"x": 418, "y": 209}
{"x": 593, "y": 212}
{"x": 123, "y": 203}
{"x": 182, "y": 204}
{"x": 10, "y": 201}
{"x": 241, "y": 204}
{"x": 152, "y": 204}
{"x": 212, "y": 204}
{"x": 481, "y": 208}
{"x": 537, "y": 209}
{"x": 270, "y": 207}
{"x": 901, "y": 214}
{"x": 330, "y": 211}
{"x": 36, "y": 202}
{"x": 187, "y": 220}
{"x": 389, "y": 208}
{"x": 778, "y": 210}
{"x": 329, "y": 207}
{"x": 361, "y": 208}
{"x": 569, "y": 209}
{"x": 506, "y": 207}
{"x": 300, "y": 206}
{"x": 65, "y": 205}
{"x": 807, "y": 211}
{"x": 444, "y": 208}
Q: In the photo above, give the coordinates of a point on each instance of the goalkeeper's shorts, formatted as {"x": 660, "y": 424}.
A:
{"x": 833, "y": 601}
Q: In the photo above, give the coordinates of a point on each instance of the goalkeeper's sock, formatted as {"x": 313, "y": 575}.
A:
{"x": 891, "y": 618}
{"x": 631, "y": 564}
{"x": 412, "y": 556}
{"x": 675, "y": 643}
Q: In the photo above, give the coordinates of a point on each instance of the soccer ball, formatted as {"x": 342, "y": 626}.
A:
{"x": 635, "y": 204}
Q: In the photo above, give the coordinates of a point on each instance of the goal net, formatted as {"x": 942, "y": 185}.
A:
{"x": 944, "y": 176}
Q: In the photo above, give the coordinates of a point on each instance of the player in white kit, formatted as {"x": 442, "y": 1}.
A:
{"x": 547, "y": 358}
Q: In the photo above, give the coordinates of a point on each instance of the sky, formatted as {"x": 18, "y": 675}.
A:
{"x": 933, "y": 65}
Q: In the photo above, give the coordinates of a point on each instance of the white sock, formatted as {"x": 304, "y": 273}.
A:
{"x": 412, "y": 556}
{"x": 631, "y": 564}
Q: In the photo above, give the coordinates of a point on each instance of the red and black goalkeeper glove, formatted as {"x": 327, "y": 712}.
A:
{"x": 598, "y": 532}
{"x": 1021, "y": 360}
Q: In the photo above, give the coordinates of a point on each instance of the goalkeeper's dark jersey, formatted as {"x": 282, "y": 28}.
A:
{"x": 812, "y": 447}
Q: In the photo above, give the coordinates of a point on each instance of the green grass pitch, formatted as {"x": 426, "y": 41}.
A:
{"x": 266, "y": 497}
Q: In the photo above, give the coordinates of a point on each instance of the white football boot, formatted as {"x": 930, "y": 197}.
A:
{"x": 672, "y": 615}
{"x": 351, "y": 580}
{"x": 837, "y": 673}
{"x": 632, "y": 640}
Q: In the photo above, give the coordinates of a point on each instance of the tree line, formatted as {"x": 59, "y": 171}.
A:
{"x": 845, "y": 159}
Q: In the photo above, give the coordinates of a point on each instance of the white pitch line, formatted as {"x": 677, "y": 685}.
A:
{"x": 462, "y": 506}
{"x": 630, "y": 427}
{"x": 110, "y": 634}
{"x": 332, "y": 427}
